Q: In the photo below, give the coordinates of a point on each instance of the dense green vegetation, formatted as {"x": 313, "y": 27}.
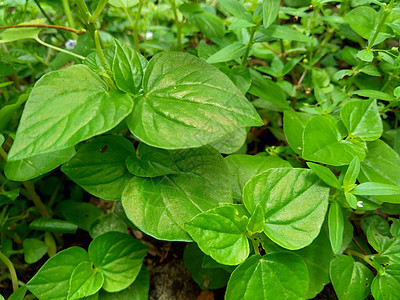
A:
{"x": 260, "y": 135}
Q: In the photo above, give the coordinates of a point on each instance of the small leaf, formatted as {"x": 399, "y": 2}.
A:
{"x": 230, "y": 52}
{"x": 221, "y": 233}
{"x": 336, "y": 226}
{"x": 352, "y": 200}
{"x": 34, "y": 249}
{"x": 85, "y": 281}
{"x": 352, "y": 173}
{"x": 386, "y": 286}
{"x": 376, "y": 189}
{"x": 119, "y": 257}
{"x": 106, "y": 223}
{"x": 270, "y": 11}
{"x": 366, "y": 55}
{"x": 325, "y": 174}
{"x": 256, "y": 222}
{"x": 53, "y": 225}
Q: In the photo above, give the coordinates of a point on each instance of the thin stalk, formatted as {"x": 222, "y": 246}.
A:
{"x": 128, "y": 15}
{"x": 59, "y": 49}
{"x": 77, "y": 31}
{"x": 47, "y": 17}
{"x": 68, "y": 15}
{"x": 135, "y": 26}
{"x": 11, "y": 269}
{"x": 249, "y": 45}
{"x": 362, "y": 256}
{"x": 387, "y": 11}
{"x": 98, "y": 10}
{"x": 32, "y": 195}
{"x": 178, "y": 25}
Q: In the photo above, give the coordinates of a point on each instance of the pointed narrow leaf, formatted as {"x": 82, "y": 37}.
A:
{"x": 376, "y": 189}
{"x": 270, "y": 11}
{"x": 336, "y": 226}
{"x": 325, "y": 174}
{"x": 230, "y": 52}
{"x": 352, "y": 172}
{"x": 293, "y": 127}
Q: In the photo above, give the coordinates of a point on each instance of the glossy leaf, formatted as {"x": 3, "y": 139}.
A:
{"x": 119, "y": 257}
{"x": 99, "y": 167}
{"x": 275, "y": 32}
{"x": 188, "y": 102}
{"x": 387, "y": 285}
{"x": 231, "y": 142}
{"x": 53, "y": 278}
{"x": 32, "y": 167}
{"x": 322, "y": 142}
{"x": 293, "y": 127}
{"x": 221, "y": 233}
{"x": 281, "y": 192}
{"x": 85, "y": 281}
{"x": 64, "y": 108}
{"x": 53, "y": 225}
{"x": 270, "y": 11}
{"x": 272, "y": 276}
{"x": 362, "y": 119}
{"x": 256, "y": 221}
{"x": 156, "y": 205}
{"x": 325, "y": 174}
{"x": 336, "y": 226}
{"x": 350, "y": 279}
{"x": 244, "y": 167}
{"x": 34, "y": 249}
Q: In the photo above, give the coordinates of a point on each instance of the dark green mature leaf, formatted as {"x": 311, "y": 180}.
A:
{"x": 32, "y": 167}
{"x": 119, "y": 257}
{"x": 270, "y": 11}
{"x": 325, "y": 174}
{"x": 156, "y": 205}
{"x": 99, "y": 167}
{"x": 18, "y": 294}
{"x": 34, "y": 249}
{"x": 382, "y": 165}
{"x": 244, "y": 167}
{"x": 387, "y": 285}
{"x": 64, "y": 108}
{"x": 235, "y": 8}
{"x": 375, "y": 94}
{"x": 350, "y": 279}
{"x": 106, "y": 223}
{"x": 322, "y": 142}
{"x": 221, "y": 233}
{"x": 293, "y": 127}
{"x": 53, "y": 279}
{"x": 82, "y": 214}
{"x": 7, "y": 111}
{"x": 85, "y": 281}
{"x": 188, "y": 102}
{"x": 127, "y": 68}
{"x": 362, "y": 119}
{"x": 272, "y": 276}
{"x": 206, "y": 278}
{"x": 281, "y": 192}
{"x": 151, "y": 162}
{"x": 336, "y": 226}
{"x": 53, "y": 225}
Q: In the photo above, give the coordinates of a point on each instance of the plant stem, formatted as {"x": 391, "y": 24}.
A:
{"x": 59, "y": 49}
{"x": 32, "y": 195}
{"x": 100, "y": 6}
{"x": 249, "y": 45}
{"x": 103, "y": 61}
{"x": 11, "y": 269}
{"x": 387, "y": 11}
{"x": 77, "y": 31}
{"x": 135, "y": 26}
{"x": 362, "y": 256}
{"x": 178, "y": 25}
{"x": 129, "y": 18}
{"x": 3, "y": 153}
{"x": 68, "y": 15}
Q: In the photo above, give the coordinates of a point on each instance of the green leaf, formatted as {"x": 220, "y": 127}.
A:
{"x": 85, "y": 281}
{"x": 138, "y": 290}
{"x": 376, "y": 189}
{"x": 34, "y": 249}
{"x": 235, "y": 8}
{"x": 365, "y": 55}
{"x": 256, "y": 221}
{"x": 325, "y": 174}
{"x": 244, "y": 167}
{"x": 387, "y": 285}
{"x": 375, "y": 95}
{"x": 230, "y": 52}
{"x": 350, "y": 279}
{"x": 206, "y": 278}
{"x": 106, "y": 223}
{"x": 53, "y": 278}
{"x": 270, "y": 11}
{"x": 322, "y": 142}
{"x": 119, "y": 257}
{"x": 272, "y": 276}
{"x": 7, "y": 111}
{"x": 53, "y": 225}
{"x": 281, "y": 192}
{"x": 22, "y": 33}
{"x": 352, "y": 200}
{"x": 275, "y": 32}
{"x": 32, "y": 167}
{"x": 293, "y": 127}
{"x": 188, "y": 102}
{"x": 123, "y": 3}
{"x": 64, "y": 108}
{"x": 352, "y": 172}
{"x": 221, "y": 233}
{"x": 362, "y": 20}
{"x": 336, "y": 226}
{"x": 156, "y": 205}
{"x": 362, "y": 119}
{"x": 382, "y": 165}
{"x": 152, "y": 162}
{"x": 99, "y": 167}
{"x": 2, "y": 139}
{"x": 240, "y": 23}
{"x": 231, "y": 142}
{"x": 18, "y": 294}
{"x": 127, "y": 68}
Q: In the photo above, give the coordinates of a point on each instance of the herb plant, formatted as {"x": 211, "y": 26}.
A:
{"x": 263, "y": 134}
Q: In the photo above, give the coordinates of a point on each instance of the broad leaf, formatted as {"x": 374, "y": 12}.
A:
{"x": 53, "y": 278}
{"x": 272, "y": 276}
{"x": 119, "y": 257}
{"x": 350, "y": 279}
{"x": 244, "y": 167}
{"x": 85, "y": 281}
{"x": 281, "y": 192}
{"x": 322, "y": 142}
{"x": 386, "y": 286}
{"x": 232, "y": 142}
{"x": 64, "y": 108}
{"x": 99, "y": 167}
{"x": 270, "y": 11}
{"x": 336, "y": 226}
{"x": 34, "y": 249}
{"x": 293, "y": 127}
{"x": 188, "y": 102}
{"x": 156, "y": 205}
{"x": 221, "y": 233}
{"x": 106, "y": 223}
{"x": 362, "y": 119}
